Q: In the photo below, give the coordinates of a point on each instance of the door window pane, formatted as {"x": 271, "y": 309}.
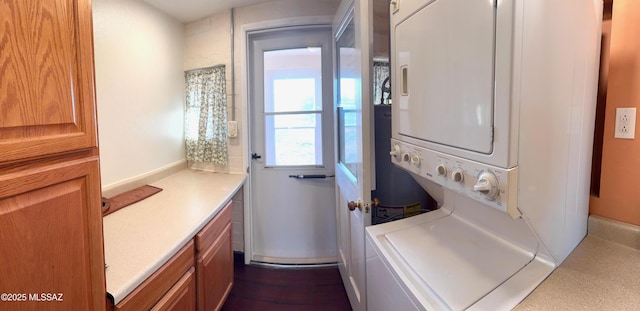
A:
{"x": 293, "y": 107}
{"x": 347, "y": 96}
{"x": 294, "y": 139}
{"x": 294, "y": 95}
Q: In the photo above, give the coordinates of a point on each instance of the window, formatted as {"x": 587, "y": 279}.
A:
{"x": 293, "y": 107}
{"x": 347, "y": 95}
{"x": 206, "y": 116}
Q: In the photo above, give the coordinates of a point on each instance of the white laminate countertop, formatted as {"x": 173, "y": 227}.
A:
{"x": 140, "y": 238}
{"x": 602, "y": 273}
{"x": 597, "y": 275}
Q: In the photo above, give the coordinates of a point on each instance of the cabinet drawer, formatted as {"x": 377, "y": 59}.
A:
{"x": 181, "y": 296}
{"x": 210, "y": 233}
{"x": 149, "y": 293}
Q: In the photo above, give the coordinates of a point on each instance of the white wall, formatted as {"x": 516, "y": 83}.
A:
{"x": 208, "y": 43}
{"x": 140, "y": 88}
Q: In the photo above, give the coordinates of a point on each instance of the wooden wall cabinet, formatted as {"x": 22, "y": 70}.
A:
{"x": 50, "y": 215}
{"x": 172, "y": 287}
{"x": 47, "y": 99}
{"x": 214, "y": 263}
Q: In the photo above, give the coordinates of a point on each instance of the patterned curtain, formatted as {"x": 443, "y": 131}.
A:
{"x": 380, "y": 73}
{"x": 206, "y": 116}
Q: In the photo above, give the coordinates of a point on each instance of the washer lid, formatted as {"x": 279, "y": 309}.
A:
{"x": 460, "y": 262}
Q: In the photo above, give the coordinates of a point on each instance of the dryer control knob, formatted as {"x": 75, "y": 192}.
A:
{"x": 487, "y": 185}
{"x": 457, "y": 175}
{"x": 395, "y": 152}
{"x": 415, "y": 160}
{"x": 442, "y": 170}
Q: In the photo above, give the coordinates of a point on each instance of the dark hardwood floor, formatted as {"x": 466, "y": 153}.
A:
{"x": 263, "y": 288}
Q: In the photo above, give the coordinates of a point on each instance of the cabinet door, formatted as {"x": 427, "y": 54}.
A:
{"x": 181, "y": 297}
{"x": 46, "y": 78}
{"x": 215, "y": 272}
{"x": 51, "y": 236}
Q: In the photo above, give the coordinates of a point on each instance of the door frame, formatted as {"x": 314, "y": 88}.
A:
{"x": 245, "y": 31}
{"x": 267, "y": 174}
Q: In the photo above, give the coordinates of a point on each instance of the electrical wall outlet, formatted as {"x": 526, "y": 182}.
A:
{"x": 625, "y": 123}
{"x": 232, "y": 128}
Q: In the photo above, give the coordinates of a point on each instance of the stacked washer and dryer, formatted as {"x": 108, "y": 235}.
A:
{"x": 493, "y": 114}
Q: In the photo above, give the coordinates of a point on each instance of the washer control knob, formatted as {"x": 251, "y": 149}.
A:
{"x": 415, "y": 160}
{"x": 457, "y": 175}
{"x": 395, "y": 152}
{"x": 487, "y": 185}
{"x": 441, "y": 169}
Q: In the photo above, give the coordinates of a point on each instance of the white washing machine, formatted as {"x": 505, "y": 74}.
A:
{"x": 494, "y": 107}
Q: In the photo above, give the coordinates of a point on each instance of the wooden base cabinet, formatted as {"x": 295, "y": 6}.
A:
{"x": 179, "y": 286}
{"x": 214, "y": 265}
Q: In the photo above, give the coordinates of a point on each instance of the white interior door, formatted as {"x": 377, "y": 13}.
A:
{"x": 291, "y": 94}
{"x": 353, "y": 63}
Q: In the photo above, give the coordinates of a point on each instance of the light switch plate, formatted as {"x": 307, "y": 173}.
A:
{"x": 232, "y": 127}
{"x": 395, "y": 6}
{"x": 625, "y": 123}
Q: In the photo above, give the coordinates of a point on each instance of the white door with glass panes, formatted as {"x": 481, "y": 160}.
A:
{"x": 353, "y": 115}
{"x": 292, "y": 182}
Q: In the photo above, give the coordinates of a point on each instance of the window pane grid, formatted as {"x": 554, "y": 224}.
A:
{"x": 291, "y": 113}
{"x": 293, "y": 107}
{"x": 294, "y": 139}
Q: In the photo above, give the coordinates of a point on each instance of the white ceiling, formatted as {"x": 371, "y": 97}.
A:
{"x": 191, "y": 10}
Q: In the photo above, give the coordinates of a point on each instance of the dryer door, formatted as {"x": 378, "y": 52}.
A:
{"x": 445, "y": 67}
